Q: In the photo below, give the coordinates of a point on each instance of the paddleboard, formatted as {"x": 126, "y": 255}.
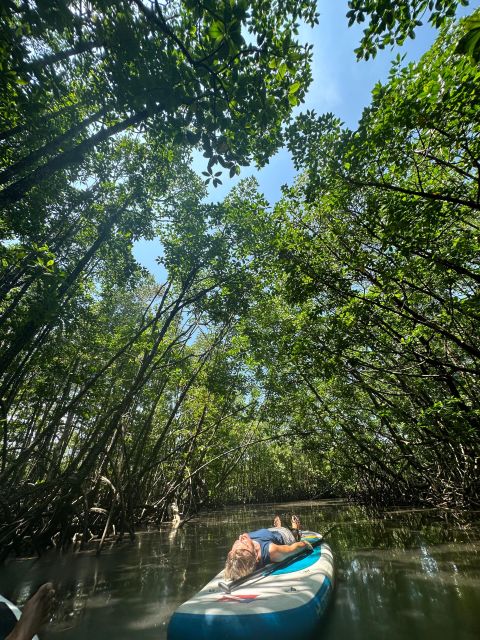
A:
{"x": 287, "y": 603}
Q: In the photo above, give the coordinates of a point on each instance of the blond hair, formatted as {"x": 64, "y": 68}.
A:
{"x": 240, "y": 563}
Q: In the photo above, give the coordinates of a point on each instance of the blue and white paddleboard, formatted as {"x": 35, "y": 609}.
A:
{"x": 287, "y": 603}
{"x": 9, "y": 614}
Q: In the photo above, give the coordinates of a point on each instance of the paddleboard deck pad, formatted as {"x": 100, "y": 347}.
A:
{"x": 287, "y": 603}
{"x": 9, "y": 614}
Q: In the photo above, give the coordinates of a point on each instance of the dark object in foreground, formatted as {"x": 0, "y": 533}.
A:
{"x": 24, "y": 625}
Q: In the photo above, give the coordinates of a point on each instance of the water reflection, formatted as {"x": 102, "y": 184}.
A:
{"x": 400, "y": 574}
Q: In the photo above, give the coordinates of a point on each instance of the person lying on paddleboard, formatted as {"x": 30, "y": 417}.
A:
{"x": 258, "y": 548}
{"x": 35, "y": 614}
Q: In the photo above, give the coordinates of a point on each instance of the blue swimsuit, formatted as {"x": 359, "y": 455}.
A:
{"x": 265, "y": 537}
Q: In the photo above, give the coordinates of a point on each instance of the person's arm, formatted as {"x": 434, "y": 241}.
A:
{"x": 279, "y": 552}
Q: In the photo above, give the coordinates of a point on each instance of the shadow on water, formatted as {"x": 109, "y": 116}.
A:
{"x": 400, "y": 574}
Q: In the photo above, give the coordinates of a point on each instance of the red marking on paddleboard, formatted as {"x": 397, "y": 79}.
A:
{"x": 240, "y": 598}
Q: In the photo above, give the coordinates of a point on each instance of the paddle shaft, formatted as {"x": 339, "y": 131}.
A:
{"x": 266, "y": 571}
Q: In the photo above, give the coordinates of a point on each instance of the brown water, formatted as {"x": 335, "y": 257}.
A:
{"x": 401, "y": 575}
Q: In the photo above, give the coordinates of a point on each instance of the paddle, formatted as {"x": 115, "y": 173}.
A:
{"x": 228, "y": 587}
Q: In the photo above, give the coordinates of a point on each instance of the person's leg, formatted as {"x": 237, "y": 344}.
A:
{"x": 296, "y": 527}
{"x": 35, "y": 614}
{"x": 287, "y": 535}
{"x": 294, "y": 530}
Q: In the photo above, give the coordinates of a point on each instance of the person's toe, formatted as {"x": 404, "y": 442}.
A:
{"x": 46, "y": 597}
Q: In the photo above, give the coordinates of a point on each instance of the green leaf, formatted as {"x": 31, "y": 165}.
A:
{"x": 470, "y": 43}
{"x": 217, "y": 31}
{"x": 282, "y": 70}
{"x": 294, "y": 88}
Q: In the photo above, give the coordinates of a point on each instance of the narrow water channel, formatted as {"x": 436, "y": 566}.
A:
{"x": 401, "y": 575}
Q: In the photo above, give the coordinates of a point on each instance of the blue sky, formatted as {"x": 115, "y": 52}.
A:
{"x": 340, "y": 84}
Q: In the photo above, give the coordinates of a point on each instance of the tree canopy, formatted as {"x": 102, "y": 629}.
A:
{"x": 325, "y": 345}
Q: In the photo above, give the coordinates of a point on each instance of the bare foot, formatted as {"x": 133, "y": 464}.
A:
{"x": 277, "y": 521}
{"x": 35, "y": 614}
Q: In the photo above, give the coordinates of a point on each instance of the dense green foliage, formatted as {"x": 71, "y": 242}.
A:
{"x": 325, "y": 346}
{"x": 390, "y": 22}
{"x": 382, "y": 255}
{"x": 108, "y": 394}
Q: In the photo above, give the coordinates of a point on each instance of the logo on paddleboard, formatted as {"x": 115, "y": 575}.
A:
{"x": 232, "y": 598}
